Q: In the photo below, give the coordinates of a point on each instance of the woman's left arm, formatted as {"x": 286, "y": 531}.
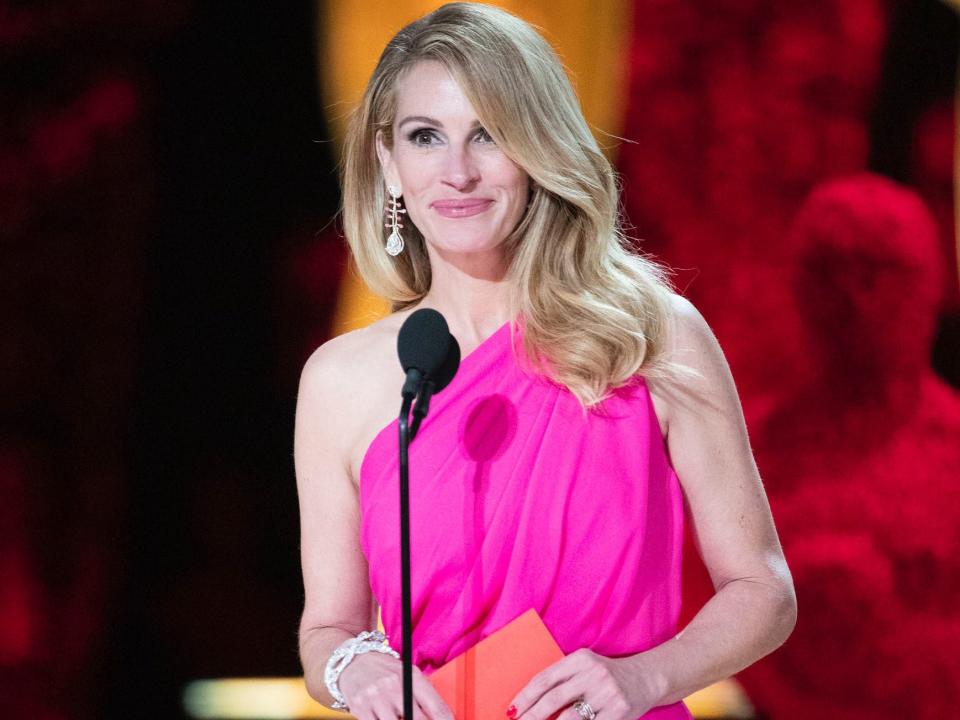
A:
{"x": 754, "y": 609}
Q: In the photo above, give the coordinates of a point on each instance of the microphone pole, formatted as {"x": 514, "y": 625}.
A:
{"x": 407, "y": 433}
{"x": 430, "y": 356}
{"x": 405, "y": 560}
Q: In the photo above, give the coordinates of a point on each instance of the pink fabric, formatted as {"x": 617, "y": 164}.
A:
{"x": 517, "y": 501}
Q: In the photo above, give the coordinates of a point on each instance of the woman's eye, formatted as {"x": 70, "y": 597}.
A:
{"x": 484, "y": 136}
{"x": 422, "y": 137}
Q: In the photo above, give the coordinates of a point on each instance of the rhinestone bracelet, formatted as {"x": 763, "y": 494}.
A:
{"x": 367, "y": 641}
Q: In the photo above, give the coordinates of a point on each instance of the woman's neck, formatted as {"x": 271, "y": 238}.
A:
{"x": 473, "y": 293}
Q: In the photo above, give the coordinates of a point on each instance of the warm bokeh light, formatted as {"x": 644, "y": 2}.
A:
{"x": 276, "y": 698}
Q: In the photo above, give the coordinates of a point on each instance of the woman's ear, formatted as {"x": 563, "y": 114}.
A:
{"x": 385, "y": 155}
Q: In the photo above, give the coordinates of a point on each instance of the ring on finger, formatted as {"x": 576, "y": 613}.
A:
{"x": 584, "y": 710}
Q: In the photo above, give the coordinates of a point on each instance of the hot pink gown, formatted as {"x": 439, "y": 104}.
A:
{"x": 517, "y": 501}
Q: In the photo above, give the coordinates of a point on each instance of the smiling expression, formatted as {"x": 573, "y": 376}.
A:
{"x": 462, "y": 192}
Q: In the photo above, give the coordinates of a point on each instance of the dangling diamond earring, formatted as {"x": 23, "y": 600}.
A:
{"x": 394, "y": 221}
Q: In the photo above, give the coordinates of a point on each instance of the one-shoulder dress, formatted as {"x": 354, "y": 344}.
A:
{"x": 519, "y": 500}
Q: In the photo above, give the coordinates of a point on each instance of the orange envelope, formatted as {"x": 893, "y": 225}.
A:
{"x": 479, "y": 683}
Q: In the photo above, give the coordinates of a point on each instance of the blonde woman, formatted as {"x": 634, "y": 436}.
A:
{"x": 592, "y": 415}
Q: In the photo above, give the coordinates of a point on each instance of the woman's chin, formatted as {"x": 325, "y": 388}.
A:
{"x": 467, "y": 246}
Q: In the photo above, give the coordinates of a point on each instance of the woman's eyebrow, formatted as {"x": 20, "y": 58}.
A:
{"x": 428, "y": 121}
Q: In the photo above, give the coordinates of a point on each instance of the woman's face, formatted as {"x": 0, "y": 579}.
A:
{"x": 458, "y": 187}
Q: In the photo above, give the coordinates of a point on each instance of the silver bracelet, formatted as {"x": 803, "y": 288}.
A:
{"x": 367, "y": 641}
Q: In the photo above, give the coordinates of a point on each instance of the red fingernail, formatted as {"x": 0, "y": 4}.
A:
{"x": 511, "y": 712}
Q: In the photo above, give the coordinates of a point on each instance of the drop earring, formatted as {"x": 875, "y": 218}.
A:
{"x": 394, "y": 221}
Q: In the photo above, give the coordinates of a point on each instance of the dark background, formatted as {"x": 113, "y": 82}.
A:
{"x": 167, "y": 185}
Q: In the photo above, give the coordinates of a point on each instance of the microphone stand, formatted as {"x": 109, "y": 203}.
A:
{"x": 405, "y": 560}
{"x": 407, "y": 433}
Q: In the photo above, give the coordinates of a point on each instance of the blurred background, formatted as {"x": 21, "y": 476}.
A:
{"x": 170, "y": 256}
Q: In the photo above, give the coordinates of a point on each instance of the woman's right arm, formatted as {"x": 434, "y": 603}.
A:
{"x": 338, "y": 602}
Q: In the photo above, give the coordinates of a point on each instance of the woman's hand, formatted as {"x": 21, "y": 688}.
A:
{"x": 616, "y": 688}
{"x": 372, "y": 685}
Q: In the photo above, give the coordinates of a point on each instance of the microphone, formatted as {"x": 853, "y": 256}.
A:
{"x": 451, "y": 363}
{"x": 434, "y": 384}
{"x": 423, "y": 345}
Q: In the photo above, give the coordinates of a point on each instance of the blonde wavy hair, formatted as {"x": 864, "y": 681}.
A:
{"x": 594, "y": 311}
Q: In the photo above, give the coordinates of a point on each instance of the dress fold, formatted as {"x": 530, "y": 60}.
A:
{"x": 518, "y": 500}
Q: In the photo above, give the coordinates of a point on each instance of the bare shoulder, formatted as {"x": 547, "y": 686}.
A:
{"x": 689, "y": 334}
{"x": 691, "y": 342}
{"x": 340, "y": 371}
{"x": 350, "y": 383}
{"x": 339, "y": 357}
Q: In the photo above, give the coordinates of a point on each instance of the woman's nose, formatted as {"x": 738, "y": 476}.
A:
{"x": 460, "y": 170}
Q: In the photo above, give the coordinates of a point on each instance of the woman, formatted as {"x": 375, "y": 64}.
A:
{"x": 591, "y": 406}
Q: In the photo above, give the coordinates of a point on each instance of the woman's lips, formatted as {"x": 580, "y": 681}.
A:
{"x": 460, "y": 208}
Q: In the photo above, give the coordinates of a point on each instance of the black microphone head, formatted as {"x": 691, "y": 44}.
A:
{"x": 449, "y": 368}
{"x": 424, "y": 341}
